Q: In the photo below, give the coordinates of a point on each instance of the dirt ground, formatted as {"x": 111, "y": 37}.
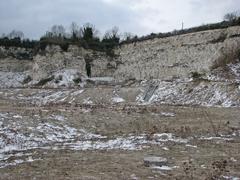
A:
{"x": 205, "y": 142}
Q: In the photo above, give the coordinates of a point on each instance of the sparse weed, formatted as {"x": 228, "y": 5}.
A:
{"x": 189, "y": 168}
{"x": 217, "y": 169}
{"x": 185, "y": 131}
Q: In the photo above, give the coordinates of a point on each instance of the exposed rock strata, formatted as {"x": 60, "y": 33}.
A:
{"x": 193, "y": 69}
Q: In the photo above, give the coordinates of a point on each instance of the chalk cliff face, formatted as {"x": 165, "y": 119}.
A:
{"x": 53, "y": 59}
{"x": 201, "y": 68}
{"x": 169, "y": 58}
{"x": 178, "y": 56}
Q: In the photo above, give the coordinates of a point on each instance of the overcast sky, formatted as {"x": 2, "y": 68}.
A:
{"x": 35, "y": 17}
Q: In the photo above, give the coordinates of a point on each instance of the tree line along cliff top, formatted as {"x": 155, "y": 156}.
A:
{"x": 87, "y": 37}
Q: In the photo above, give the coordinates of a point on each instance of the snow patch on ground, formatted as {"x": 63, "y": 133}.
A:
{"x": 20, "y": 135}
{"x": 44, "y": 97}
{"x": 33, "y": 132}
{"x": 17, "y": 116}
{"x": 86, "y": 110}
{"x": 217, "y": 138}
{"x": 106, "y": 79}
{"x": 124, "y": 143}
{"x": 231, "y": 178}
{"x": 117, "y": 99}
{"x": 164, "y": 137}
{"x": 189, "y": 145}
{"x": 88, "y": 101}
{"x": 165, "y": 148}
{"x": 162, "y": 168}
{"x": 58, "y": 117}
{"x": 17, "y": 162}
{"x": 167, "y": 114}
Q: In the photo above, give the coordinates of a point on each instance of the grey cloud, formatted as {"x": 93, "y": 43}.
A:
{"x": 35, "y": 17}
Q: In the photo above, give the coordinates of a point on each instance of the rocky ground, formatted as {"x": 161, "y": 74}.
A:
{"x": 73, "y": 134}
{"x": 72, "y": 127}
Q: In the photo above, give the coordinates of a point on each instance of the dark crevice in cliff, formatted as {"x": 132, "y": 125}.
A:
{"x": 220, "y": 39}
{"x": 88, "y": 66}
{"x": 88, "y": 69}
{"x": 234, "y": 36}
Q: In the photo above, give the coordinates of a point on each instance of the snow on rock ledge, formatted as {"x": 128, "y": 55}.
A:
{"x": 12, "y": 79}
{"x": 66, "y": 78}
{"x": 204, "y": 93}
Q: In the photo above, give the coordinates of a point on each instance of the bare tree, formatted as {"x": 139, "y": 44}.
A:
{"x": 49, "y": 34}
{"x": 58, "y": 31}
{"x": 15, "y": 34}
{"x": 231, "y": 16}
{"x": 3, "y": 35}
{"x": 75, "y": 30}
{"x": 112, "y": 33}
{"x": 127, "y": 36}
{"x": 88, "y": 31}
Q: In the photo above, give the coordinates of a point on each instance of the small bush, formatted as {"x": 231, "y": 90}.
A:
{"x": 221, "y": 38}
{"x": 24, "y": 55}
{"x": 189, "y": 169}
{"x": 17, "y": 42}
{"x": 196, "y": 75}
{"x": 44, "y": 42}
{"x": 77, "y": 80}
{"x": 218, "y": 169}
{"x": 27, "y": 80}
{"x": 45, "y": 81}
{"x": 58, "y": 79}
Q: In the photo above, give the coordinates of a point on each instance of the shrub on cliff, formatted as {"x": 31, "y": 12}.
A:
{"x": 44, "y": 42}
{"x": 233, "y": 16}
{"x": 196, "y": 75}
{"x": 220, "y": 25}
{"x": 17, "y": 42}
{"x": 111, "y": 38}
{"x": 88, "y": 32}
{"x": 15, "y": 39}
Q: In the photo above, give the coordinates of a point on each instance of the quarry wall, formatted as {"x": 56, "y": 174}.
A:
{"x": 178, "y": 56}
{"x": 76, "y": 58}
{"x": 159, "y": 58}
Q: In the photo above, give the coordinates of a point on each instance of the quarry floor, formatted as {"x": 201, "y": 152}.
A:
{"x": 51, "y": 138}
